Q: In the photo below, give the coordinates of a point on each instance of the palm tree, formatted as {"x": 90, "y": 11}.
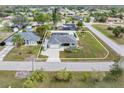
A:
{"x": 55, "y": 17}
{"x": 18, "y": 40}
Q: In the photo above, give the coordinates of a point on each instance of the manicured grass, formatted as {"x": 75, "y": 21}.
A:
{"x": 7, "y": 78}
{"x": 42, "y": 58}
{"x": 103, "y": 29}
{"x": 88, "y": 48}
{"x": 22, "y": 53}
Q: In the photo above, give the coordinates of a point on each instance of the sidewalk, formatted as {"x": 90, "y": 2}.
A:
{"x": 56, "y": 66}
{"x": 5, "y": 51}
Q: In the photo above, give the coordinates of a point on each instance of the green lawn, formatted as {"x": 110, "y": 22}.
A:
{"x": 108, "y": 33}
{"x": 88, "y": 48}
{"x": 7, "y": 78}
{"x": 22, "y": 53}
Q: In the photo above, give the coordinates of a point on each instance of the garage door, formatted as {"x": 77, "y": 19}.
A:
{"x": 54, "y": 46}
{"x": 9, "y": 43}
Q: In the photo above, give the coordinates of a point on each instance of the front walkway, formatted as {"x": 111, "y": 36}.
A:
{"x": 53, "y": 54}
{"x": 5, "y": 51}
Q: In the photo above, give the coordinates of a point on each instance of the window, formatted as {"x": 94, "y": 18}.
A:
{"x": 65, "y": 44}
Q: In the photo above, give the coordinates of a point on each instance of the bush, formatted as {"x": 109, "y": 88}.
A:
{"x": 97, "y": 76}
{"x": 37, "y": 76}
{"x": 63, "y": 76}
{"x": 117, "y": 31}
{"x": 115, "y": 73}
{"x": 86, "y": 76}
{"x": 110, "y": 28}
{"x": 28, "y": 83}
{"x": 93, "y": 76}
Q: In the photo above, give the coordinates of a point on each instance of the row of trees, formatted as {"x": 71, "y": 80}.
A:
{"x": 64, "y": 76}
{"x": 102, "y": 16}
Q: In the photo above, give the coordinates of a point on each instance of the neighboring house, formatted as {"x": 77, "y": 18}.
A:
{"x": 79, "y": 18}
{"x": 111, "y": 20}
{"x": 62, "y": 39}
{"x": 29, "y": 37}
{"x": 67, "y": 27}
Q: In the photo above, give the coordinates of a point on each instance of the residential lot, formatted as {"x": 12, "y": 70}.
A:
{"x": 23, "y": 53}
{"x": 89, "y": 49}
{"x": 103, "y": 29}
{"x": 8, "y": 79}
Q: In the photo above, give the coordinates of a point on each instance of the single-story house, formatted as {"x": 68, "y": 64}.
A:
{"x": 30, "y": 38}
{"x": 62, "y": 39}
{"x": 78, "y": 18}
{"x": 114, "y": 20}
{"x": 67, "y": 27}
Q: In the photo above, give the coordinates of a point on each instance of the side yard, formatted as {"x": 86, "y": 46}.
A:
{"x": 104, "y": 29}
{"x": 89, "y": 49}
{"x": 23, "y": 53}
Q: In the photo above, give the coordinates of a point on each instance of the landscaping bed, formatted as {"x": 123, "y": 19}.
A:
{"x": 104, "y": 29}
{"x": 89, "y": 49}
{"x": 7, "y": 78}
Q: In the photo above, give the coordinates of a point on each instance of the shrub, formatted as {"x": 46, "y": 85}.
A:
{"x": 86, "y": 76}
{"x": 28, "y": 83}
{"x": 115, "y": 73}
{"x": 97, "y": 76}
{"x": 117, "y": 31}
{"x": 110, "y": 28}
{"x": 37, "y": 76}
{"x": 63, "y": 76}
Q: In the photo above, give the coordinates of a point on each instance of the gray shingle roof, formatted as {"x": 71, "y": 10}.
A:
{"x": 30, "y": 36}
{"x": 59, "y": 39}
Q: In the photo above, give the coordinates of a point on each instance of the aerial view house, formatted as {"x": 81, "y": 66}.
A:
{"x": 29, "y": 37}
{"x": 62, "y": 39}
{"x": 111, "y": 20}
{"x": 67, "y": 27}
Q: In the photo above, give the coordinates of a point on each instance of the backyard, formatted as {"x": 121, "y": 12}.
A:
{"x": 103, "y": 29}
{"x": 7, "y": 78}
{"x": 89, "y": 49}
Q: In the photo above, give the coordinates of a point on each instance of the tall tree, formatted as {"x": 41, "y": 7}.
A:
{"x": 19, "y": 19}
{"x": 18, "y": 40}
{"x": 117, "y": 31}
{"x": 41, "y": 17}
{"x": 55, "y": 17}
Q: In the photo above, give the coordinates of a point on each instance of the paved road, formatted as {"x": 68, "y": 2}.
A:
{"x": 105, "y": 39}
{"x": 5, "y": 51}
{"x": 55, "y": 66}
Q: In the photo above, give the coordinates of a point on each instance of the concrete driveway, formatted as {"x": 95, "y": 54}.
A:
{"x": 53, "y": 54}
